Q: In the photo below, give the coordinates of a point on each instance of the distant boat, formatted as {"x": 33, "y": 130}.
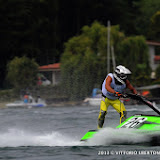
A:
{"x": 95, "y": 100}
{"x": 23, "y": 104}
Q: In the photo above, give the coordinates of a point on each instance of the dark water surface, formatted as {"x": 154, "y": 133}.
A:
{"x": 54, "y": 133}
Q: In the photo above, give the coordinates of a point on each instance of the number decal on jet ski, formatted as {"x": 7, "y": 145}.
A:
{"x": 134, "y": 122}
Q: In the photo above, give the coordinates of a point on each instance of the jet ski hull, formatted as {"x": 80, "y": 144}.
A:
{"x": 142, "y": 124}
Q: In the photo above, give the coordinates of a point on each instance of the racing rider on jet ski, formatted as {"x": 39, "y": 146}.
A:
{"x": 112, "y": 89}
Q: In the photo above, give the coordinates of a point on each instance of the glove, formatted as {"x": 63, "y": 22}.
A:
{"x": 117, "y": 94}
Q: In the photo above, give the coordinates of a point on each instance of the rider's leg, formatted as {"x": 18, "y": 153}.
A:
{"x": 102, "y": 113}
{"x": 120, "y": 108}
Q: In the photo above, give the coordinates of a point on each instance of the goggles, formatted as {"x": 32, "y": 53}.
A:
{"x": 122, "y": 76}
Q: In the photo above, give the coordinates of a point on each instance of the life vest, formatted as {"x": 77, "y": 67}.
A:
{"x": 25, "y": 98}
{"x": 116, "y": 87}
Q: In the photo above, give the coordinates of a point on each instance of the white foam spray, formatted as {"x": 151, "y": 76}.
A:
{"x": 110, "y": 136}
{"x": 15, "y": 138}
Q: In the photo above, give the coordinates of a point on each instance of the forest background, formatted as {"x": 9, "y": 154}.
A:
{"x": 75, "y": 34}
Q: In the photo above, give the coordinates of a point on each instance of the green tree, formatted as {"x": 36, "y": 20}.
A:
{"x": 133, "y": 53}
{"x": 29, "y": 28}
{"x": 146, "y": 9}
{"x": 84, "y": 61}
{"x": 155, "y": 26}
{"x": 22, "y": 72}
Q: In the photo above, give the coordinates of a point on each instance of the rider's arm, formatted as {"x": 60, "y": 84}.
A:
{"x": 108, "y": 85}
{"x": 128, "y": 84}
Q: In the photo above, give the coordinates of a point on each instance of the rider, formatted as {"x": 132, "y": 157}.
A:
{"x": 112, "y": 88}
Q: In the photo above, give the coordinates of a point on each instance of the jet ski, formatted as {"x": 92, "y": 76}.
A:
{"x": 141, "y": 124}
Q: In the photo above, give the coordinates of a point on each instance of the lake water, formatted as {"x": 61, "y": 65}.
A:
{"x": 54, "y": 133}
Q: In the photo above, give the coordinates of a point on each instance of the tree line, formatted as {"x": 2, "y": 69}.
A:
{"x": 39, "y": 28}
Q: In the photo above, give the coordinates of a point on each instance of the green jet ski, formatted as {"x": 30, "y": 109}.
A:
{"x": 143, "y": 124}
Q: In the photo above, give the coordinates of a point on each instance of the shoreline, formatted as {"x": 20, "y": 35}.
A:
{"x": 3, "y": 105}
{"x": 53, "y": 104}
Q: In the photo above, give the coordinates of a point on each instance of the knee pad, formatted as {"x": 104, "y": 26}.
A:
{"x": 103, "y": 114}
{"x": 123, "y": 115}
{"x": 101, "y": 119}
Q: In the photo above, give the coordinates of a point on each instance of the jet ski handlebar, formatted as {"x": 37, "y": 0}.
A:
{"x": 141, "y": 99}
{"x": 132, "y": 96}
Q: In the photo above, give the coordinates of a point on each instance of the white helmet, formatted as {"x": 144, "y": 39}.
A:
{"x": 120, "y": 73}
